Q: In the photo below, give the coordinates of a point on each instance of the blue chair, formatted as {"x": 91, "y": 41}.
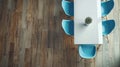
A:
{"x": 68, "y": 27}
{"x": 87, "y": 51}
{"x": 108, "y": 26}
{"x": 68, "y": 7}
{"x": 107, "y": 7}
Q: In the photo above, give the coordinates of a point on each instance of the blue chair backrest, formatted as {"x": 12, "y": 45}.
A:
{"x": 108, "y": 26}
{"x": 107, "y": 7}
{"x": 68, "y": 27}
{"x": 68, "y": 7}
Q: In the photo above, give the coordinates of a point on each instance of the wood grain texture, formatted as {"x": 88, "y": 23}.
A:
{"x": 31, "y": 36}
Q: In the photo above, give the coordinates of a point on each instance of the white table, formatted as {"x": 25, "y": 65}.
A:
{"x": 91, "y": 34}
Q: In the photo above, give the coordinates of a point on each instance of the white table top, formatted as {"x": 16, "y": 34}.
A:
{"x": 91, "y": 34}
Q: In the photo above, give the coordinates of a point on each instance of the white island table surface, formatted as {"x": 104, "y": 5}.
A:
{"x": 92, "y": 33}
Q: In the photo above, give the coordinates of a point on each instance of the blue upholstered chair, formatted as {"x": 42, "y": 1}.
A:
{"x": 107, "y": 7}
{"x": 108, "y": 26}
{"x": 68, "y": 27}
{"x": 87, "y": 51}
{"x": 68, "y": 7}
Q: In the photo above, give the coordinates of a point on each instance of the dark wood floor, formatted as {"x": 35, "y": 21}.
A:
{"x": 31, "y": 36}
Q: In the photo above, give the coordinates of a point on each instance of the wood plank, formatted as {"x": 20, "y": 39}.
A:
{"x": 31, "y": 36}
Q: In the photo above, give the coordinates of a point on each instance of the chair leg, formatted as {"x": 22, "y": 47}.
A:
{"x": 98, "y": 47}
{"x": 86, "y": 60}
{"x": 107, "y": 39}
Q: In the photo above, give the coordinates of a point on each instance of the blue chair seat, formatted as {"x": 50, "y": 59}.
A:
{"x": 68, "y": 7}
{"x": 107, "y": 7}
{"x": 87, "y": 51}
{"x": 108, "y": 26}
{"x": 68, "y": 27}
